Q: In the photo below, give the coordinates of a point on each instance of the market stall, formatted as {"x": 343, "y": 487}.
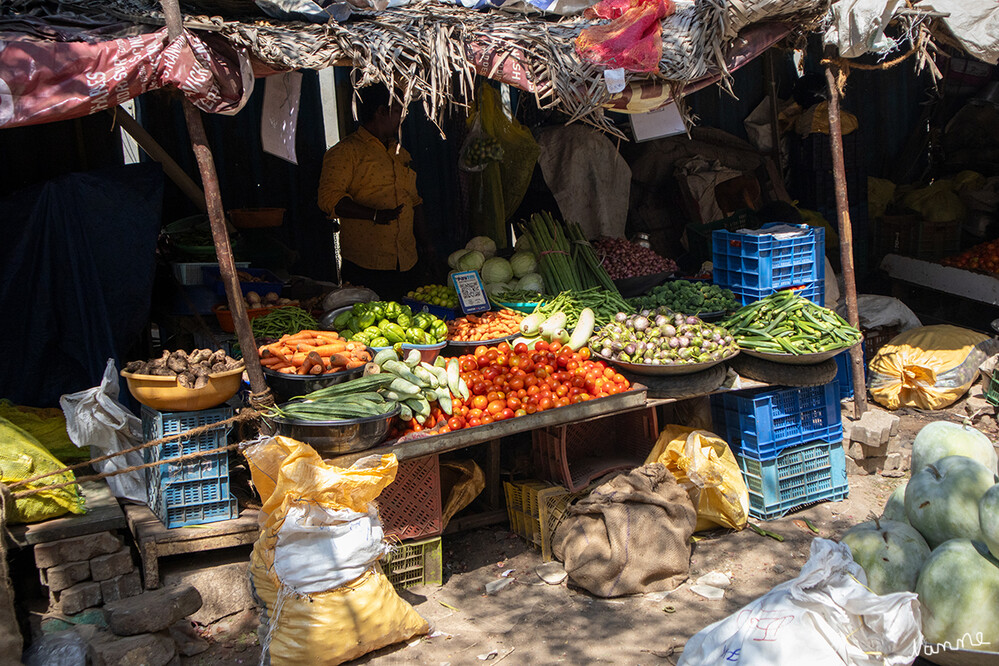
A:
{"x": 576, "y": 341}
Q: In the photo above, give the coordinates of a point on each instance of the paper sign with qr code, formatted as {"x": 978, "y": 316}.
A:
{"x": 471, "y": 294}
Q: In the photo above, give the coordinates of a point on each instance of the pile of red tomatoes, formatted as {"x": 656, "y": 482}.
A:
{"x": 509, "y": 382}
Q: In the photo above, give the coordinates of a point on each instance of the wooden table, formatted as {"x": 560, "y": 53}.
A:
{"x": 156, "y": 541}
{"x": 103, "y": 515}
{"x": 585, "y": 411}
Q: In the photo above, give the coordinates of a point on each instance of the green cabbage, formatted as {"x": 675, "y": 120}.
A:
{"x": 523, "y": 244}
{"x": 495, "y": 289}
{"x": 496, "y": 269}
{"x": 483, "y": 244}
{"x": 470, "y": 261}
{"x": 523, "y": 263}
{"x": 455, "y": 257}
{"x": 532, "y": 282}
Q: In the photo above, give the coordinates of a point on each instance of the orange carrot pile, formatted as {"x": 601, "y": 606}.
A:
{"x": 313, "y": 353}
{"x": 487, "y": 326}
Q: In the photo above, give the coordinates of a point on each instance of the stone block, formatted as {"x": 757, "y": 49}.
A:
{"x": 81, "y": 596}
{"x": 113, "y": 564}
{"x": 152, "y": 611}
{"x": 59, "y": 577}
{"x": 76, "y": 549}
{"x": 876, "y": 451}
{"x": 893, "y": 462}
{"x": 122, "y": 586}
{"x": 855, "y": 450}
{"x": 144, "y": 650}
{"x": 224, "y": 587}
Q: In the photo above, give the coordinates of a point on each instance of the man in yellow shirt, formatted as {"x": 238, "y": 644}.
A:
{"x": 366, "y": 184}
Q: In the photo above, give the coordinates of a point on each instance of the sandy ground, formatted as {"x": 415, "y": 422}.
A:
{"x": 531, "y": 622}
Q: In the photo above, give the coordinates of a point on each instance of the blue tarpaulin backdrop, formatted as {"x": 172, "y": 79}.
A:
{"x": 76, "y": 274}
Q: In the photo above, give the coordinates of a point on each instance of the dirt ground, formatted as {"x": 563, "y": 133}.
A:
{"x": 531, "y": 622}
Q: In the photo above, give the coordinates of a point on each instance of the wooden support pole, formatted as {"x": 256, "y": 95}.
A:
{"x": 845, "y": 240}
{"x": 170, "y": 167}
{"x": 216, "y": 216}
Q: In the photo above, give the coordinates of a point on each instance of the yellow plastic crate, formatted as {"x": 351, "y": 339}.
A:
{"x": 415, "y": 563}
{"x": 537, "y": 508}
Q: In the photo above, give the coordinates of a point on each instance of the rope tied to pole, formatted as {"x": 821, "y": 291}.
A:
{"x": 243, "y": 416}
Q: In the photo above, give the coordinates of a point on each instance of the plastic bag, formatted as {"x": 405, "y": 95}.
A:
{"x": 479, "y": 150}
{"x": 496, "y": 191}
{"x": 632, "y": 40}
{"x": 929, "y": 367}
{"x": 461, "y": 483}
{"x": 937, "y": 202}
{"x": 319, "y": 529}
{"x": 65, "y": 648}
{"x": 95, "y": 418}
{"x": 22, "y": 457}
{"x": 704, "y": 465}
{"x": 826, "y": 613}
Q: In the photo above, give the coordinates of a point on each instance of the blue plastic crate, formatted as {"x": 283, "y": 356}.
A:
{"x": 157, "y": 424}
{"x": 801, "y": 475}
{"x": 766, "y": 262}
{"x": 813, "y": 291}
{"x": 189, "y": 493}
{"x": 268, "y": 281}
{"x": 761, "y": 423}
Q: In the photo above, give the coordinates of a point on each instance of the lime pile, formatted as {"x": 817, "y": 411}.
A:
{"x": 435, "y": 294}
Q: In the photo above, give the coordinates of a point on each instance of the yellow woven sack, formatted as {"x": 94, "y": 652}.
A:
{"x": 22, "y": 457}
{"x": 48, "y": 426}
{"x": 929, "y": 367}
{"x": 348, "y": 621}
{"x": 704, "y": 464}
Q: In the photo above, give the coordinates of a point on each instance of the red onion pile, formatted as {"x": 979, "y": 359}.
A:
{"x": 624, "y": 259}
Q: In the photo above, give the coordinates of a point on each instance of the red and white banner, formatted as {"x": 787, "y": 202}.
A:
{"x": 44, "y": 81}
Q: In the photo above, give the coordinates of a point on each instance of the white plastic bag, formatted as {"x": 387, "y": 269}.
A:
{"x": 95, "y": 418}
{"x": 319, "y": 548}
{"x": 824, "y": 617}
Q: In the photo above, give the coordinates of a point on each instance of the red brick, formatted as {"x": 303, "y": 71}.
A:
{"x": 113, "y": 564}
{"x": 121, "y": 587}
{"x": 66, "y": 575}
{"x": 54, "y": 553}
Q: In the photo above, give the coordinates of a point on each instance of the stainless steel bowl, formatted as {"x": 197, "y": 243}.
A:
{"x": 337, "y": 437}
{"x": 285, "y": 387}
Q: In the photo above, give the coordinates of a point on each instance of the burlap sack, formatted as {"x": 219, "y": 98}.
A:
{"x": 630, "y": 535}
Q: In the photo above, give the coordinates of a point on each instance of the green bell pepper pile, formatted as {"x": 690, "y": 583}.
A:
{"x": 386, "y": 324}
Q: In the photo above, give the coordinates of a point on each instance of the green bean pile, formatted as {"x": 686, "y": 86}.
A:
{"x": 605, "y": 304}
{"x": 785, "y": 323}
{"x": 283, "y": 321}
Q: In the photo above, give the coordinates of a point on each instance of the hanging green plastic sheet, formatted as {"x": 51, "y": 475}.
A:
{"x": 497, "y": 187}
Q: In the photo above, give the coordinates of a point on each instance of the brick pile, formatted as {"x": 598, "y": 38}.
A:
{"x": 86, "y": 572}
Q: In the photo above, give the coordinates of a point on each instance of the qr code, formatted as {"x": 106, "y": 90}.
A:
{"x": 469, "y": 291}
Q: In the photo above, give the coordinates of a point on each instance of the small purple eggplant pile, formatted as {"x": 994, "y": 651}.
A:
{"x": 662, "y": 337}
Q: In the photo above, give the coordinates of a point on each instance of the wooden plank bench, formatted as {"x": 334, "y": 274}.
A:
{"x": 155, "y": 540}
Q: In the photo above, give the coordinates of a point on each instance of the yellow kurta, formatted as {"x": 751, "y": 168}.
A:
{"x": 362, "y": 168}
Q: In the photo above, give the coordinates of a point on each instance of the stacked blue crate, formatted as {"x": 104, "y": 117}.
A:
{"x": 788, "y": 442}
{"x": 754, "y": 267}
{"x": 192, "y": 492}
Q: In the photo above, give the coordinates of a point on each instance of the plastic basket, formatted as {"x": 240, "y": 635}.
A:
{"x": 876, "y": 338}
{"x": 761, "y": 423}
{"x": 410, "y": 507}
{"x": 537, "y": 508}
{"x": 188, "y": 493}
{"x": 768, "y": 262}
{"x": 801, "y": 475}
{"x": 415, "y": 563}
{"x": 574, "y": 455}
{"x": 156, "y": 424}
{"x": 912, "y": 236}
{"x": 813, "y": 291}
{"x": 270, "y": 283}
{"x": 992, "y": 389}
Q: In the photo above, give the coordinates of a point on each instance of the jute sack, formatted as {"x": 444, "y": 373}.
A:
{"x": 630, "y": 535}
